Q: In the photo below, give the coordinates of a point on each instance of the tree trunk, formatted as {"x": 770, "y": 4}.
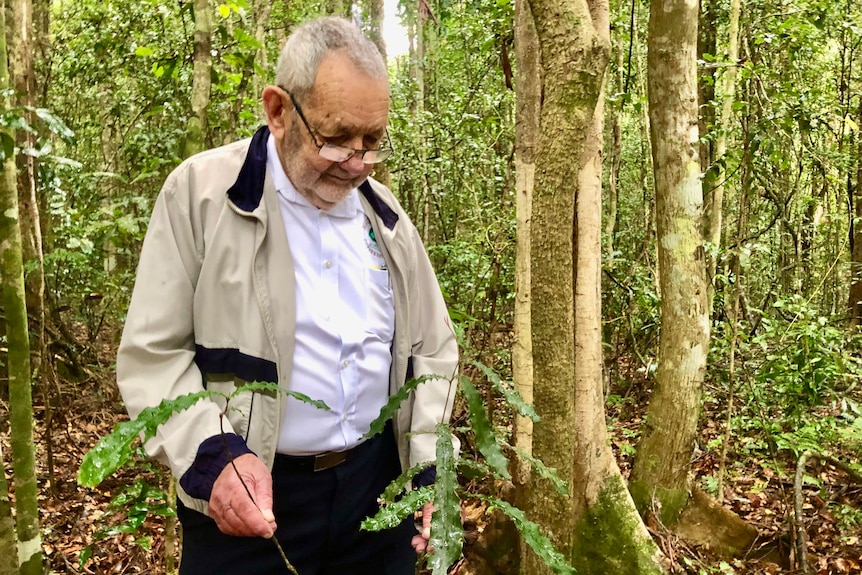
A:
{"x": 528, "y": 96}
{"x": 196, "y": 127}
{"x": 23, "y": 80}
{"x": 374, "y": 30}
{"x": 714, "y": 184}
{"x": 20, "y": 400}
{"x": 609, "y": 536}
{"x": 8, "y": 552}
{"x": 574, "y": 52}
{"x": 855, "y": 299}
{"x": 659, "y": 478}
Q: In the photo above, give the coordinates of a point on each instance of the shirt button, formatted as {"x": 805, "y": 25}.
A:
{"x": 328, "y": 264}
{"x": 345, "y": 363}
{"x": 344, "y": 417}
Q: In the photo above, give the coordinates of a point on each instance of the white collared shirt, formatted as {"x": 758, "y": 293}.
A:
{"x": 345, "y": 320}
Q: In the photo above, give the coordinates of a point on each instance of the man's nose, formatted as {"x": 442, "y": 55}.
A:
{"x": 353, "y": 164}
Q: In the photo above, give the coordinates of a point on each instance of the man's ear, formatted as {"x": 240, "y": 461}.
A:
{"x": 274, "y": 106}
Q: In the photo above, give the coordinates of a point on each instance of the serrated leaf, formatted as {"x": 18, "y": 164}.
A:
{"x": 447, "y": 533}
{"x": 533, "y": 536}
{"x": 391, "y": 408}
{"x": 393, "y": 514}
{"x": 397, "y": 486}
{"x": 257, "y": 386}
{"x": 486, "y": 441}
{"x": 546, "y": 472}
{"x": 115, "y": 449}
{"x": 511, "y": 395}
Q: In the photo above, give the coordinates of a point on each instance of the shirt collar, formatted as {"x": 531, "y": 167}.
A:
{"x": 346, "y": 208}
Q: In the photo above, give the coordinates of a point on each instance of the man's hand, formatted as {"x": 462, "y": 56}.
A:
{"x": 230, "y": 506}
{"x": 420, "y": 541}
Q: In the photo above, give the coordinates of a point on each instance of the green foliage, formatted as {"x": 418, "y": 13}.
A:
{"x": 394, "y": 512}
{"x": 134, "y": 504}
{"x": 533, "y": 536}
{"x": 808, "y": 359}
{"x": 390, "y": 409}
{"x": 115, "y": 449}
{"x": 447, "y": 534}
{"x": 485, "y": 439}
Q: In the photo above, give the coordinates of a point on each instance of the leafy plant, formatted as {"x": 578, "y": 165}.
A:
{"x": 115, "y": 450}
{"x": 136, "y": 503}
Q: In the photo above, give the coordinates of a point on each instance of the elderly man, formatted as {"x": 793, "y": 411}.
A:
{"x": 277, "y": 259}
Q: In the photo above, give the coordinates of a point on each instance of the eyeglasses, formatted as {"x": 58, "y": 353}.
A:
{"x": 340, "y": 154}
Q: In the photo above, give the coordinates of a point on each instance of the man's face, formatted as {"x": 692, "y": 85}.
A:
{"x": 346, "y": 107}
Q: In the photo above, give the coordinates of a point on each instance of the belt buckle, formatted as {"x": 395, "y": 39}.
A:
{"x": 329, "y": 460}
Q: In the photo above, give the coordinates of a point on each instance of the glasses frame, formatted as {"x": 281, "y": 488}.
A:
{"x": 338, "y": 154}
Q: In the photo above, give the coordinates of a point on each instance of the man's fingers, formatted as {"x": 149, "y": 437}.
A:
{"x": 233, "y": 510}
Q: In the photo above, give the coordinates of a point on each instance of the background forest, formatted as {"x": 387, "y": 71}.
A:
{"x": 104, "y": 98}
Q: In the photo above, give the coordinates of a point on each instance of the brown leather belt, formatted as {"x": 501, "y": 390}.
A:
{"x": 315, "y": 463}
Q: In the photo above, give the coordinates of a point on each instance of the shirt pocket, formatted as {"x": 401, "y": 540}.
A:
{"x": 380, "y": 306}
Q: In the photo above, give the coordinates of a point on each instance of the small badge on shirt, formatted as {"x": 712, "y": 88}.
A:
{"x": 377, "y": 261}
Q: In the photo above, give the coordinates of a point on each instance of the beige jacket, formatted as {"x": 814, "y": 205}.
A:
{"x": 214, "y": 307}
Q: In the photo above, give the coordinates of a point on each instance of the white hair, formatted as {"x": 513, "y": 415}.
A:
{"x": 312, "y": 41}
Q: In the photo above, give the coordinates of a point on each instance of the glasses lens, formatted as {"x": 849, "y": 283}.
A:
{"x": 376, "y": 156}
{"x": 335, "y": 153}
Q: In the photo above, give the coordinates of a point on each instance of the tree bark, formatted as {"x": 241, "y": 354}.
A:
{"x": 197, "y": 125}
{"x": 20, "y": 400}
{"x": 855, "y": 298}
{"x": 571, "y": 51}
{"x": 714, "y": 183}
{"x": 374, "y": 30}
{"x": 8, "y": 552}
{"x": 528, "y": 96}
{"x": 570, "y": 436}
{"x": 659, "y": 479}
{"x": 609, "y": 536}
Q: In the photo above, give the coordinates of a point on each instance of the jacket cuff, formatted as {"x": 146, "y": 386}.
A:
{"x": 214, "y": 454}
{"x": 425, "y": 477}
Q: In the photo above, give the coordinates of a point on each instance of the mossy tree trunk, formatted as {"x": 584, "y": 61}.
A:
{"x": 609, "y": 536}
{"x": 197, "y": 125}
{"x": 659, "y": 478}
{"x": 20, "y": 398}
{"x": 598, "y": 515}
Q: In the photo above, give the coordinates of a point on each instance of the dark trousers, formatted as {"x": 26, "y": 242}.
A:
{"x": 318, "y": 516}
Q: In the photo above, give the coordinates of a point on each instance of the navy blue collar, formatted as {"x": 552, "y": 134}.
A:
{"x": 247, "y": 190}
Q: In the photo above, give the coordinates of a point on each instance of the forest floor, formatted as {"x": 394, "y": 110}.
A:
{"x": 84, "y": 533}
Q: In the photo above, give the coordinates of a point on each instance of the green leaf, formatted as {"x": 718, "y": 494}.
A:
{"x": 393, "y": 514}
{"x": 54, "y": 123}
{"x": 144, "y": 51}
{"x": 397, "y": 486}
{"x": 533, "y": 536}
{"x": 546, "y": 472}
{"x": 512, "y": 396}
{"x": 7, "y": 146}
{"x": 447, "y": 533}
{"x": 224, "y": 10}
{"x": 84, "y": 556}
{"x": 257, "y": 386}
{"x": 391, "y": 408}
{"x": 486, "y": 441}
{"x": 115, "y": 449}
